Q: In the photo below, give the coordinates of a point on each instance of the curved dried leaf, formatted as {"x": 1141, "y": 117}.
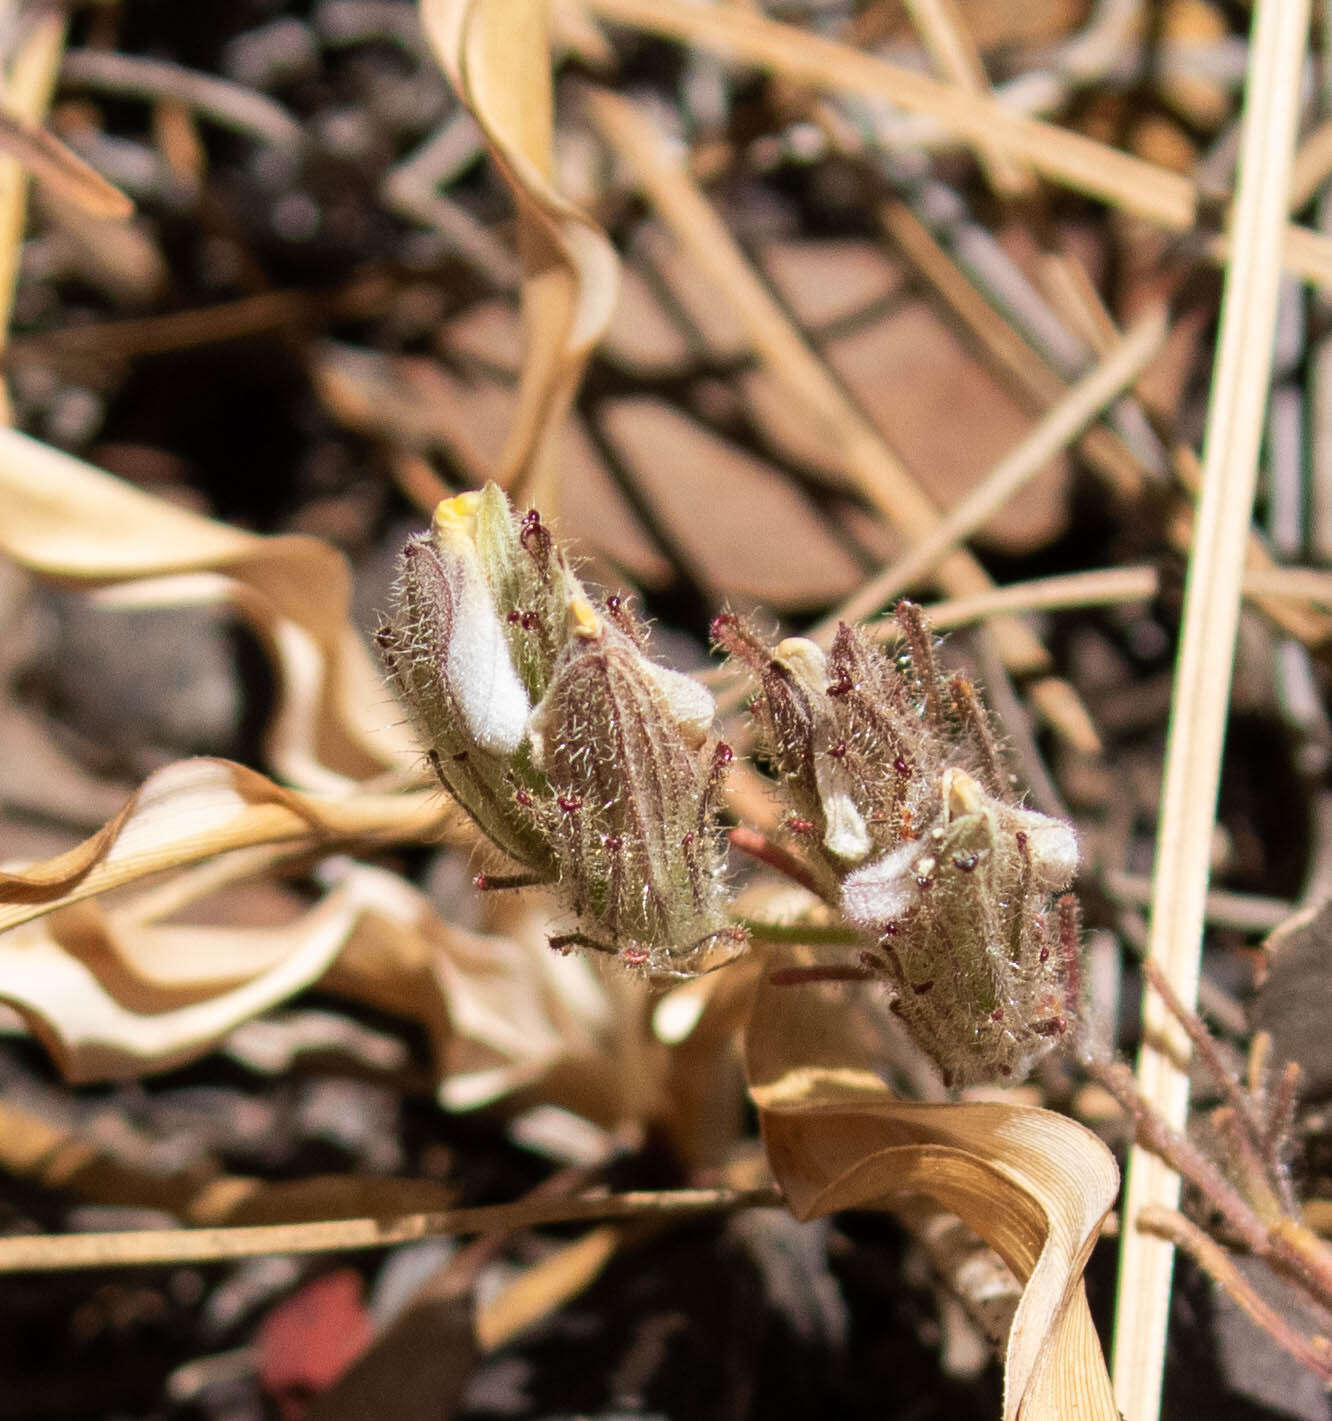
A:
{"x": 67, "y": 521}
{"x": 196, "y": 809}
{"x": 506, "y": 1016}
{"x": 497, "y": 54}
{"x": 503, "y": 1012}
{"x": 1033, "y": 1184}
{"x": 78, "y": 976}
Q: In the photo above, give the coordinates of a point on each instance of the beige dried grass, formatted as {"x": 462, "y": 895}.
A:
{"x": 1202, "y": 684}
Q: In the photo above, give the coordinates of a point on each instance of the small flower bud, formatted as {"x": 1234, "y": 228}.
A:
{"x": 962, "y": 920}
{"x": 446, "y": 651}
{"x": 894, "y": 769}
{"x": 623, "y": 743}
{"x": 610, "y": 787}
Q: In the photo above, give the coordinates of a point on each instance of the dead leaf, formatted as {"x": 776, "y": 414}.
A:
{"x": 414, "y": 402}
{"x": 1035, "y": 1185}
{"x": 112, "y": 996}
{"x": 704, "y": 489}
{"x": 1291, "y": 1003}
{"x": 62, "y": 519}
{"x": 829, "y": 281}
{"x": 507, "y": 1017}
{"x": 951, "y": 421}
{"x": 497, "y": 54}
{"x": 196, "y": 809}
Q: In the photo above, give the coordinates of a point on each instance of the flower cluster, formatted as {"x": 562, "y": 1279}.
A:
{"x": 597, "y": 770}
{"x": 901, "y": 800}
{"x": 588, "y": 764}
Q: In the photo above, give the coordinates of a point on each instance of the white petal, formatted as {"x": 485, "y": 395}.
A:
{"x": 883, "y": 890}
{"x": 845, "y": 834}
{"x": 805, "y": 660}
{"x": 491, "y": 698}
{"x": 689, "y": 701}
{"x": 489, "y": 694}
{"x": 1052, "y": 847}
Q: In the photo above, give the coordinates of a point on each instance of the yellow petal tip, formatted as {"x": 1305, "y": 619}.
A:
{"x": 584, "y": 619}
{"x": 457, "y": 515}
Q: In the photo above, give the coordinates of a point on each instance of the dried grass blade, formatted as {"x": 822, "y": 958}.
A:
{"x": 1070, "y": 159}
{"x": 47, "y": 1253}
{"x": 1104, "y": 587}
{"x": 497, "y": 54}
{"x": 1211, "y": 610}
{"x": 52, "y": 162}
{"x": 944, "y": 34}
{"x": 27, "y": 94}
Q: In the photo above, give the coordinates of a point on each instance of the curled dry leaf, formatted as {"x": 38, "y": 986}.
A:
{"x": 114, "y": 989}
{"x": 64, "y": 520}
{"x": 111, "y": 993}
{"x": 497, "y": 54}
{"x": 196, "y": 809}
{"x": 506, "y": 1017}
{"x": 1033, "y": 1184}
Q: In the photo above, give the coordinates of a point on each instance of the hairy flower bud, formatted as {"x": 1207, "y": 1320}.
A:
{"x": 576, "y": 754}
{"x": 625, "y": 745}
{"x": 846, "y": 737}
{"x": 961, "y": 925}
{"x": 448, "y": 655}
{"x": 892, "y": 768}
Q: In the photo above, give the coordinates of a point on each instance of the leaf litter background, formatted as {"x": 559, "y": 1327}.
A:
{"x": 864, "y": 313}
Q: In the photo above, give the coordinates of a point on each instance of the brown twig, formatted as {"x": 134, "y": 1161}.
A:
{"x": 1314, "y": 1353}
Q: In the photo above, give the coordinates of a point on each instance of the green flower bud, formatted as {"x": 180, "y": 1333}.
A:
{"x": 962, "y": 925}
{"x": 591, "y": 766}
{"x": 627, "y": 749}
{"x": 896, "y": 787}
{"x": 447, "y": 651}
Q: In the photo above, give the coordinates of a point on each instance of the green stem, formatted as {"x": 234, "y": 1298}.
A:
{"x": 811, "y": 934}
